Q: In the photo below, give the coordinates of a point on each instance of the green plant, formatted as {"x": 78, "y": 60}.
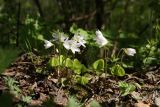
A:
{"x": 31, "y": 34}
{"x": 72, "y": 102}
{"x": 149, "y": 54}
{"x": 12, "y": 85}
{"x": 26, "y": 99}
{"x": 94, "y": 103}
{"x": 126, "y": 88}
{"x": 98, "y": 65}
{"x": 117, "y": 70}
{"x": 80, "y": 39}
{"x": 79, "y": 69}
{"x": 15, "y": 90}
{"x": 83, "y": 80}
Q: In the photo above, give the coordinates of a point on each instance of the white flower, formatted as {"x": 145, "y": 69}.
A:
{"x": 71, "y": 45}
{"x": 47, "y": 44}
{"x": 61, "y": 37}
{"x": 55, "y": 37}
{"x": 130, "y": 51}
{"x": 79, "y": 39}
{"x": 100, "y": 39}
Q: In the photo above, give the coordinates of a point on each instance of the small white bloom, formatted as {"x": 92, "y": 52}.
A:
{"x": 47, "y": 44}
{"x": 79, "y": 39}
{"x": 61, "y": 37}
{"x": 130, "y": 51}
{"x": 55, "y": 37}
{"x": 71, "y": 45}
{"x": 100, "y": 39}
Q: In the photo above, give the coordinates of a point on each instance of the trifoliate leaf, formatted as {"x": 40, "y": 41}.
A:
{"x": 126, "y": 88}
{"x": 83, "y": 80}
{"x": 76, "y": 64}
{"x": 98, "y": 65}
{"x": 117, "y": 70}
{"x": 77, "y": 71}
{"x": 69, "y": 62}
{"x": 53, "y": 62}
{"x": 61, "y": 59}
{"x": 83, "y": 68}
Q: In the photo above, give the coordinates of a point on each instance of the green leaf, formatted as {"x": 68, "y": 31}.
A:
{"x": 83, "y": 80}
{"x": 26, "y": 99}
{"x": 73, "y": 28}
{"x": 94, "y": 103}
{"x": 83, "y": 68}
{"x": 39, "y": 37}
{"x": 126, "y": 88}
{"x": 114, "y": 59}
{"x": 72, "y": 102}
{"x": 123, "y": 85}
{"x": 98, "y": 65}
{"x": 57, "y": 61}
{"x": 149, "y": 60}
{"x": 53, "y": 62}
{"x": 77, "y": 64}
{"x": 69, "y": 62}
{"x": 77, "y": 67}
{"x": 117, "y": 70}
{"x": 61, "y": 59}
{"x": 129, "y": 89}
{"x": 77, "y": 71}
{"x": 83, "y": 33}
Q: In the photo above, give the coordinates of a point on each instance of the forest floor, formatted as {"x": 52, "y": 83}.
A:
{"x": 44, "y": 88}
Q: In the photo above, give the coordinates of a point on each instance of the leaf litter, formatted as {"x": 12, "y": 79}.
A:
{"x": 42, "y": 85}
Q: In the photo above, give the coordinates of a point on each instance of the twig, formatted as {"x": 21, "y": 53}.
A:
{"x": 82, "y": 17}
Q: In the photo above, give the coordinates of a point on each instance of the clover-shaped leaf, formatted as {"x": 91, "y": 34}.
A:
{"x": 117, "y": 70}
{"x": 68, "y": 62}
{"x": 126, "y": 88}
{"x": 98, "y": 65}
{"x": 53, "y": 62}
{"x": 83, "y": 80}
{"x": 76, "y": 64}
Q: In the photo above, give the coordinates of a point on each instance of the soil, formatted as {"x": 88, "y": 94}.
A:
{"x": 44, "y": 86}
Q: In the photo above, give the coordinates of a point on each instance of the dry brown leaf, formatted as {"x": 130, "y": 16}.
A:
{"x": 141, "y": 104}
{"x": 157, "y": 101}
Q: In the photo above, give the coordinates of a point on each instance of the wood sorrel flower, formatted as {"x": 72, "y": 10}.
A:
{"x": 130, "y": 51}
{"x": 72, "y": 45}
{"x": 47, "y": 44}
{"x": 61, "y": 37}
{"x": 100, "y": 39}
{"x": 79, "y": 39}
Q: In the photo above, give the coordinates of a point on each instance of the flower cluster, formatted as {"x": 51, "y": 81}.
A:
{"x": 72, "y": 44}
{"x": 78, "y": 40}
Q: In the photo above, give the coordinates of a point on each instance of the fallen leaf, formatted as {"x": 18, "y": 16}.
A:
{"x": 157, "y": 101}
{"x": 141, "y": 104}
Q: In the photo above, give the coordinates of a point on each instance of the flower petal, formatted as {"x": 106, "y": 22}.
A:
{"x": 47, "y": 44}
{"x": 100, "y": 39}
{"x": 130, "y": 51}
